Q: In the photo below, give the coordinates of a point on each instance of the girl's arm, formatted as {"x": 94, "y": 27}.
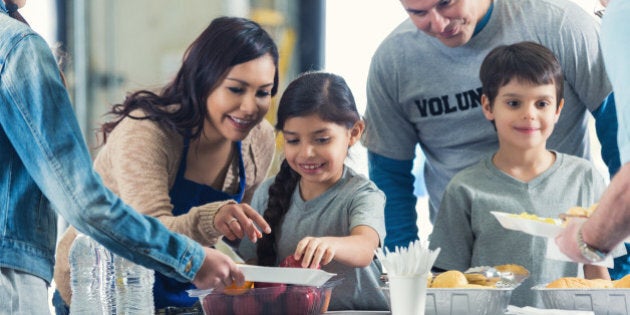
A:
{"x": 355, "y": 250}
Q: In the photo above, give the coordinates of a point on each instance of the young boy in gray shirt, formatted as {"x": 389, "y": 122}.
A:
{"x": 522, "y": 98}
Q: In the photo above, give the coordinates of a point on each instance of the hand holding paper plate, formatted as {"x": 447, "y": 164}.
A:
{"x": 296, "y": 276}
{"x": 545, "y": 228}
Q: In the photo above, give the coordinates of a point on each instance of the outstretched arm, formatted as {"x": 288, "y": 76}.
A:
{"x": 609, "y": 224}
{"x": 606, "y": 127}
{"x": 355, "y": 250}
{"x": 395, "y": 179}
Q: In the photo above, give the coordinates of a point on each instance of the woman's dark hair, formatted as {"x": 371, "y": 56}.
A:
{"x": 526, "y": 61}
{"x": 328, "y": 96}
{"x": 225, "y": 43}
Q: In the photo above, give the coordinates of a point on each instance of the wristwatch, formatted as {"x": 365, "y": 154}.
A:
{"x": 589, "y": 253}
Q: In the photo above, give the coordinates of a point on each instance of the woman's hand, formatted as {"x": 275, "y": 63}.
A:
{"x": 315, "y": 251}
{"x": 237, "y": 220}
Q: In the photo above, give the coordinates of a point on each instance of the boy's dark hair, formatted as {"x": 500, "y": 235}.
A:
{"x": 326, "y": 95}
{"x": 225, "y": 43}
{"x": 526, "y": 61}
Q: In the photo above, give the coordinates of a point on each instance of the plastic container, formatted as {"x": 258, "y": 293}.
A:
{"x": 85, "y": 279}
{"x": 276, "y": 299}
{"x": 491, "y": 301}
{"x": 133, "y": 287}
{"x": 600, "y": 301}
{"x": 105, "y": 283}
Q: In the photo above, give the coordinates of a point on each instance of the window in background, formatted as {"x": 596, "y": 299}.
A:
{"x": 351, "y": 39}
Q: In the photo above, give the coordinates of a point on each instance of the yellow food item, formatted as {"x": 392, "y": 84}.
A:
{"x": 622, "y": 283}
{"x": 475, "y": 278}
{"x": 599, "y": 284}
{"x": 450, "y": 279}
{"x": 580, "y": 283}
{"x": 429, "y": 280}
{"x": 234, "y": 289}
{"x": 479, "y": 279}
{"x": 475, "y": 286}
{"x": 568, "y": 282}
{"x": 513, "y": 268}
{"x": 529, "y": 216}
{"x": 579, "y": 212}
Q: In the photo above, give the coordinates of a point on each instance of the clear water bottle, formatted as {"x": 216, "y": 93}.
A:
{"x": 105, "y": 283}
{"x": 134, "y": 288}
{"x": 85, "y": 279}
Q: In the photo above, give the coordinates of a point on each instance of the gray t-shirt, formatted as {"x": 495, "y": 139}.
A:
{"x": 469, "y": 235}
{"x": 420, "y": 91}
{"x": 354, "y": 200}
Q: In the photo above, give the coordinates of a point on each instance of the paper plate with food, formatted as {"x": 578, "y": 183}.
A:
{"x": 529, "y": 223}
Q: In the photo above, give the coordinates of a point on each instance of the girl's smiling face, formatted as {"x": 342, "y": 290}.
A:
{"x": 316, "y": 149}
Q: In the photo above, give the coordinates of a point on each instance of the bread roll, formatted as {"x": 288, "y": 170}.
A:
{"x": 623, "y": 283}
{"x": 568, "y": 283}
{"x": 579, "y": 283}
{"x": 514, "y": 269}
{"x": 449, "y": 279}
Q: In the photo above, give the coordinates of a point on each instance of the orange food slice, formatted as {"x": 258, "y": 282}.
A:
{"x": 234, "y": 289}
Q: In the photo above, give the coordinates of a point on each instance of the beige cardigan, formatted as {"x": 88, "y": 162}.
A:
{"x": 139, "y": 163}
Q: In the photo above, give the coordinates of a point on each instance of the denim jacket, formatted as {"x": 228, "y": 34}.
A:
{"x": 46, "y": 167}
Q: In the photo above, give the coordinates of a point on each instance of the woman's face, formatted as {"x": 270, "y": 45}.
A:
{"x": 241, "y": 100}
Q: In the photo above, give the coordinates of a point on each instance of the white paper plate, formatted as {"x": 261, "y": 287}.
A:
{"x": 538, "y": 228}
{"x": 533, "y": 227}
{"x": 297, "y": 276}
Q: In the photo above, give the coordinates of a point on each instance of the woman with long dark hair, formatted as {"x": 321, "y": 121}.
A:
{"x": 191, "y": 154}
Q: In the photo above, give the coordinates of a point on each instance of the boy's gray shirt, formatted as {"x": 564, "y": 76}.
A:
{"x": 469, "y": 235}
{"x": 354, "y": 200}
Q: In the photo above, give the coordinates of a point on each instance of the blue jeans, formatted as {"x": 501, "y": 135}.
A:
{"x": 22, "y": 293}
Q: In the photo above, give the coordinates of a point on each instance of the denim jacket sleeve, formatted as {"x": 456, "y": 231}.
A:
{"x": 38, "y": 119}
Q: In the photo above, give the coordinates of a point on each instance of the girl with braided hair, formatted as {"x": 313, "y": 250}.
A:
{"x": 320, "y": 211}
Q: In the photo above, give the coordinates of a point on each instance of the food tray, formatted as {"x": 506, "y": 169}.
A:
{"x": 286, "y": 299}
{"x": 491, "y": 301}
{"x": 600, "y": 301}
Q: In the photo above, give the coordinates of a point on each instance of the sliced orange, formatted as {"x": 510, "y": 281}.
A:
{"x": 234, "y": 289}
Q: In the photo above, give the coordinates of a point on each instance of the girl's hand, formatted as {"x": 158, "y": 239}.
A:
{"x": 237, "y": 220}
{"x": 315, "y": 251}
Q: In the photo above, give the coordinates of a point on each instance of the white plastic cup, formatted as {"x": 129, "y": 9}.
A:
{"x": 408, "y": 294}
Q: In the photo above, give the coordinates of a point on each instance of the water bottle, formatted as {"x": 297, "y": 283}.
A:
{"x": 84, "y": 276}
{"x": 105, "y": 283}
{"x": 134, "y": 288}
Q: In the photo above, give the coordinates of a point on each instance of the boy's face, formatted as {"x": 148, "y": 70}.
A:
{"x": 524, "y": 114}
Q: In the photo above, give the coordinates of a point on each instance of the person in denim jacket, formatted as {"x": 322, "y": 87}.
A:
{"x": 46, "y": 168}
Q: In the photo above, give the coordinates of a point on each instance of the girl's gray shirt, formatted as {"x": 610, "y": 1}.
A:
{"x": 353, "y": 201}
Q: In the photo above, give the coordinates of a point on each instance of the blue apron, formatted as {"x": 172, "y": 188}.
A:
{"x": 186, "y": 194}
